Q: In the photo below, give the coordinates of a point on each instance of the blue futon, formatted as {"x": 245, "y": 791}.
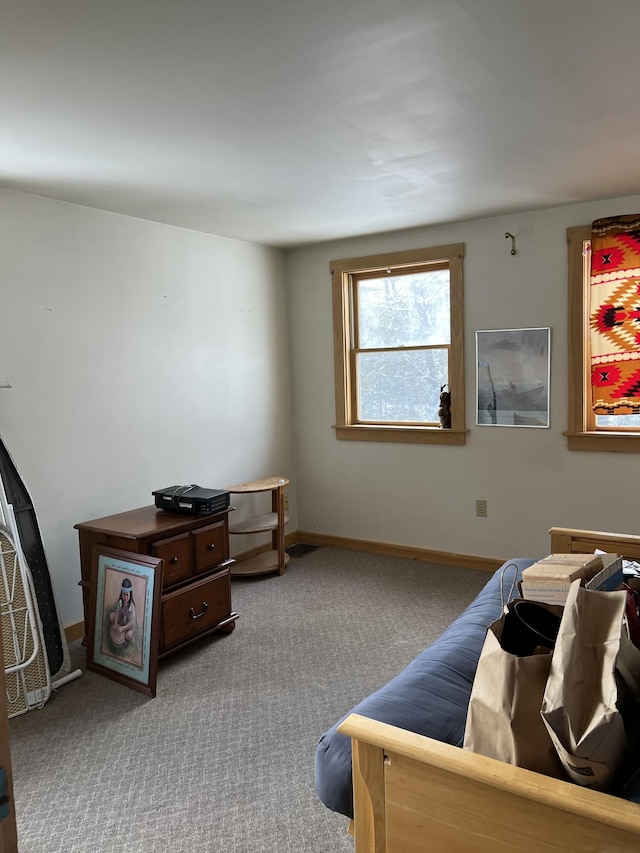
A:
{"x": 429, "y": 697}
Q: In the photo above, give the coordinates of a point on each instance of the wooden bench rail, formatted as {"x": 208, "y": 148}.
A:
{"x": 412, "y": 793}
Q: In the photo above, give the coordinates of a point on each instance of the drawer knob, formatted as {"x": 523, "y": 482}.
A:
{"x": 173, "y": 560}
{"x": 194, "y": 615}
{"x": 211, "y": 547}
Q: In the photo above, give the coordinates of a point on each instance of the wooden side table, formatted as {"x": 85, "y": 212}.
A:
{"x": 275, "y": 559}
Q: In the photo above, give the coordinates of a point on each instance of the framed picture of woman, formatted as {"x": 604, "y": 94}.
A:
{"x": 124, "y": 616}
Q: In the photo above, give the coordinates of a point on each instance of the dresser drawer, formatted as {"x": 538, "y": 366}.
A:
{"x": 176, "y": 553}
{"x": 210, "y": 544}
{"x": 195, "y": 609}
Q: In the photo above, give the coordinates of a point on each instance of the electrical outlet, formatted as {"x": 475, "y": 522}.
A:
{"x": 481, "y": 509}
{"x": 286, "y": 500}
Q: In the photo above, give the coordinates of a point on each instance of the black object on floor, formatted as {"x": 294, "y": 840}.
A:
{"x": 300, "y": 549}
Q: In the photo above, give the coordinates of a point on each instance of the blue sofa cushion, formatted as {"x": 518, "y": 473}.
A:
{"x": 430, "y": 696}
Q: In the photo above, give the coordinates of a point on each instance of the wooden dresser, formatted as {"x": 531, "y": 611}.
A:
{"x": 196, "y": 588}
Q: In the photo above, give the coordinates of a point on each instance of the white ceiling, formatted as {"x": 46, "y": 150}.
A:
{"x": 288, "y": 122}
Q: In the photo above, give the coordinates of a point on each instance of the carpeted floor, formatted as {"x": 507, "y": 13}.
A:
{"x": 222, "y": 758}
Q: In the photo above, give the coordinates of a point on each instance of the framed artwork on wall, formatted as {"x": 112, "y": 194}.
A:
{"x": 124, "y": 618}
{"x": 512, "y": 377}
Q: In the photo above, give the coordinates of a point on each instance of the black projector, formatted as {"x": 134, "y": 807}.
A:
{"x": 191, "y": 499}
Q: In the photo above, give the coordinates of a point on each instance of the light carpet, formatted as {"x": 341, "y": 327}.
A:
{"x": 222, "y": 758}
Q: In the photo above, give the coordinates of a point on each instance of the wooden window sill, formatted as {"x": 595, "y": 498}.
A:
{"x": 407, "y": 435}
{"x": 604, "y": 442}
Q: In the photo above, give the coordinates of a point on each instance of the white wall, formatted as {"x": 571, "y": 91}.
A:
{"x": 423, "y": 495}
{"x": 141, "y": 356}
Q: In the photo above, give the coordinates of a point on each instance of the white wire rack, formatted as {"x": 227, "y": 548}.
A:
{"x": 27, "y": 676}
{"x": 28, "y": 679}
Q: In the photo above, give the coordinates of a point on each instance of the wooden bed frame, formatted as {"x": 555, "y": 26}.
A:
{"x": 413, "y": 793}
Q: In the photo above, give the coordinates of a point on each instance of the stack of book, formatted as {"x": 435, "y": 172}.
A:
{"x": 549, "y": 580}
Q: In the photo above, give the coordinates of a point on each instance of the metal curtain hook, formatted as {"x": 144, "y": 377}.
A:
{"x": 508, "y": 236}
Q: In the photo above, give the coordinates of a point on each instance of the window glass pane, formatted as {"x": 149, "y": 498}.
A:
{"x": 401, "y": 386}
{"x": 404, "y": 310}
{"x": 618, "y": 421}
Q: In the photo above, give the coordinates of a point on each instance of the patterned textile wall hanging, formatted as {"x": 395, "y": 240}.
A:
{"x": 615, "y": 315}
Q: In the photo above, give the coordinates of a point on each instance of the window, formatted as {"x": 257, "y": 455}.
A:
{"x": 398, "y": 339}
{"x": 588, "y": 431}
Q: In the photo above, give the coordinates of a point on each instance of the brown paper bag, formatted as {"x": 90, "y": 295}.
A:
{"x": 595, "y": 673}
{"x": 503, "y": 719}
